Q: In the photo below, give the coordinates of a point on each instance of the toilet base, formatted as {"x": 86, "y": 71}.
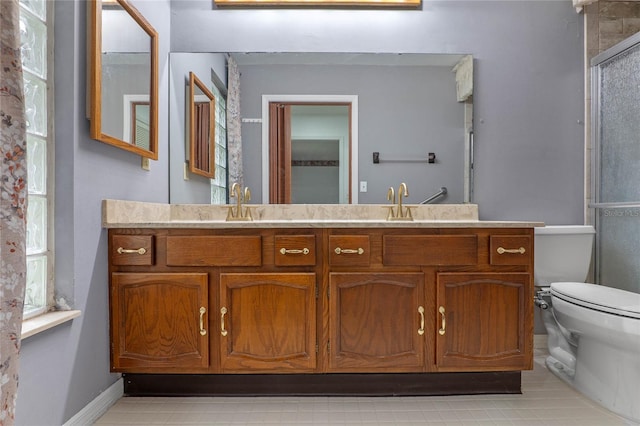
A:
{"x": 610, "y": 377}
{"x": 605, "y": 375}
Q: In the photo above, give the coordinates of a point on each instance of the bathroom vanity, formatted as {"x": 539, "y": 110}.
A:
{"x": 311, "y": 304}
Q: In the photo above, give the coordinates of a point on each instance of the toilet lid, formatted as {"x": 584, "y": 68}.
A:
{"x": 598, "y": 297}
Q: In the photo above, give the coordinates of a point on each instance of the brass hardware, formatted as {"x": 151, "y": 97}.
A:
{"x": 223, "y": 312}
{"x": 294, "y": 251}
{"x": 122, "y": 250}
{"x": 421, "y": 312}
{"x": 402, "y": 192}
{"x": 444, "y": 324}
{"x": 203, "y": 310}
{"x": 502, "y": 250}
{"x": 402, "y": 213}
{"x": 339, "y": 250}
{"x": 237, "y": 214}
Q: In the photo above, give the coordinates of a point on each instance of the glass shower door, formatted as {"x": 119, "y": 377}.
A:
{"x": 616, "y": 165}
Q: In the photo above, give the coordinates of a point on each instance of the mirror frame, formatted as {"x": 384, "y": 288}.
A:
{"x": 95, "y": 58}
{"x": 195, "y": 82}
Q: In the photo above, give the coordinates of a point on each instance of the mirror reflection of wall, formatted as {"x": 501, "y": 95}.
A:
{"x": 184, "y": 186}
{"x": 407, "y": 107}
{"x": 126, "y": 73}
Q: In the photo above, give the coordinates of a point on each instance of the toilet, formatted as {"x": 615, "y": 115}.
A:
{"x": 593, "y": 330}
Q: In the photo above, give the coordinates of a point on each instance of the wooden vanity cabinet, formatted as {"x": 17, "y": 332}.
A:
{"x": 267, "y": 322}
{"x": 376, "y": 322}
{"x": 322, "y": 300}
{"x": 159, "y": 322}
{"x": 483, "y": 321}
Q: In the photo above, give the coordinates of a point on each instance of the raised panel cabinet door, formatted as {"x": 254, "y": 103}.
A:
{"x": 484, "y": 322}
{"x": 159, "y": 322}
{"x": 376, "y": 322}
{"x": 267, "y": 322}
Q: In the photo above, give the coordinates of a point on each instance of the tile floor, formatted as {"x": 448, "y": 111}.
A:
{"x": 545, "y": 401}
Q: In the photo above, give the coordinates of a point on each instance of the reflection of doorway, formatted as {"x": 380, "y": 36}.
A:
{"x": 136, "y": 120}
{"x": 309, "y": 149}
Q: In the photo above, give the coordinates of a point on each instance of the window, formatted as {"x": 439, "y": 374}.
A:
{"x": 36, "y": 49}
{"x": 219, "y": 183}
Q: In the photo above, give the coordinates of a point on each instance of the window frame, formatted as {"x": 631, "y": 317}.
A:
{"x": 49, "y": 299}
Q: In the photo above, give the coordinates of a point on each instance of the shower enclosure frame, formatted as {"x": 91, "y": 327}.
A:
{"x": 597, "y": 205}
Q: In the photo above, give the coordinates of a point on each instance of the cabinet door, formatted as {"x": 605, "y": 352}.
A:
{"x": 484, "y": 321}
{"x": 268, "y": 322}
{"x": 159, "y": 322}
{"x": 376, "y": 322}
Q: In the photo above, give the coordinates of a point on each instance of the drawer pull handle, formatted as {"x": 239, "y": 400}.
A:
{"x": 502, "y": 250}
{"x": 421, "y": 312}
{"x": 223, "y": 312}
{"x": 203, "y": 310}
{"x": 443, "y": 323}
{"x": 339, "y": 250}
{"x": 294, "y": 251}
{"x": 122, "y": 250}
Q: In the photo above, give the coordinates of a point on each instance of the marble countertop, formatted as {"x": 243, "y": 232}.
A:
{"x": 134, "y": 214}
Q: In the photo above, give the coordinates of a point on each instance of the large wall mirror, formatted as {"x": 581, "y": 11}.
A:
{"x": 344, "y": 107}
{"x": 123, "y": 78}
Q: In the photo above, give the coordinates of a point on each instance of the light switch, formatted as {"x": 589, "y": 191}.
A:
{"x": 146, "y": 164}
{"x": 363, "y": 186}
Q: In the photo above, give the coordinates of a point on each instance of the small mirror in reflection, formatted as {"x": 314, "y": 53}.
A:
{"x": 201, "y": 128}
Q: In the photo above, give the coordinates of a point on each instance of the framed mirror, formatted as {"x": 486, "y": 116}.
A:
{"x": 123, "y": 78}
{"x": 202, "y": 108}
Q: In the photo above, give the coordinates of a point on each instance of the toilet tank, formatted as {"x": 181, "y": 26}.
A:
{"x": 562, "y": 253}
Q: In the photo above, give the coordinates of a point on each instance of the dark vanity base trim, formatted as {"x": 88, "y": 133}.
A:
{"x": 427, "y": 384}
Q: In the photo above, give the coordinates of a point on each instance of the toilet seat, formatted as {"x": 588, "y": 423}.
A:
{"x": 604, "y": 299}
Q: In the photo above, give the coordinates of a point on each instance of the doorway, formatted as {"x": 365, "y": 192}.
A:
{"x": 309, "y": 149}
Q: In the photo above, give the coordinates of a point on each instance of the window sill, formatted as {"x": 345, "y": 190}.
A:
{"x": 46, "y": 321}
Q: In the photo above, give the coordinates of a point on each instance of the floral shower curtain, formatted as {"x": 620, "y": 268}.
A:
{"x": 13, "y": 205}
{"x": 234, "y": 137}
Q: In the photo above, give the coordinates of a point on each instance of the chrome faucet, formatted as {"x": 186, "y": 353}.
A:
{"x": 241, "y": 197}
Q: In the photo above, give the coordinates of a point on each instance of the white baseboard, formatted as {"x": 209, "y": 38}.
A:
{"x": 540, "y": 341}
{"x": 96, "y": 408}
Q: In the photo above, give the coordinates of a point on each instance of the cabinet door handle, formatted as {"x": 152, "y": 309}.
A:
{"x": 203, "y": 310}
{"x": 339, "y": 250}
{"x": 122, "y": 250}
{"x": 443, "y": 321}
{"x": 223, "y": 312}
{"x": 502, "y": 250}
{"x": 294, "y": 251}
{"x": 421, "y": 312}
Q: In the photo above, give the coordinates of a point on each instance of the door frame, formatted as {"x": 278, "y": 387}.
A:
{"x": 347, "y": 99}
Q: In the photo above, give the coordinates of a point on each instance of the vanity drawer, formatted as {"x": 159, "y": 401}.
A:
{"x": 134, "y": 250}
{"x": 433, "y": 250}
{"x": 510, "y": 250}
{"x": 349, "y": 250}
{"x": 295, "y": 250}
{"x": 214, "y": 250}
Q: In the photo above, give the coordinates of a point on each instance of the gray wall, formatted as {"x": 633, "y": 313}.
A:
{"x": 529, "y": 145}
{"x": 528, "y": 95}
{"x": 63, "y": 369}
